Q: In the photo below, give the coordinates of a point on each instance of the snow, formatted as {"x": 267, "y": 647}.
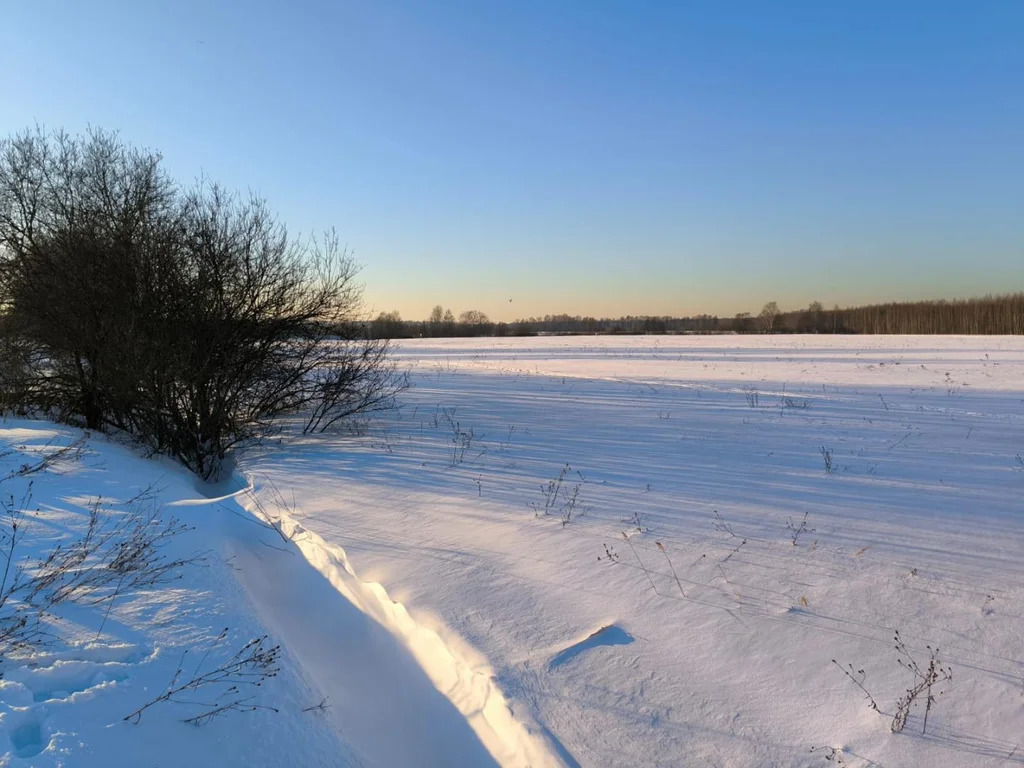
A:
{"x": 453, "y": 607}
{"x": 705, "y": 652}
{"x": 63, "y": 703}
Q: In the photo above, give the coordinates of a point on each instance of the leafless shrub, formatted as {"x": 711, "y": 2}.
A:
{"x": 560, "y": 499}
{"x": 230, "y": 687}
{"x": 357, "y": 379}
{"x": 571, "y": 505}
{"x": 796, "y": 531}
{"x": 635, "y": 521}
{"x": 188, "y": 318}
{"x": 461, "y": 439}
{"x": 49, "y": 459}
{"x": 751, "y": 396}
{"x": 116, "y": 553}
{"x": 826, "y": 455}
{"x": 926, "y": 679}
{"x": 19, "y": 622}
{"x": 721, "y": 525}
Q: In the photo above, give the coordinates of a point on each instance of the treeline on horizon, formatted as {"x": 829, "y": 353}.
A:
{"x": 989, "y": 315}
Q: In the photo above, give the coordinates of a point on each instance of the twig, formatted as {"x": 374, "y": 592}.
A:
{"x": 251, "y": 666}
{"x": 849, "y": 672}
{"x": 323, "y": 706}
{"x": 674, "y": 575}
{"x": 641, "y": 562}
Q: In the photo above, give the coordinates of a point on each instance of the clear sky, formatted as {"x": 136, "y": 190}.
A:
{"x": 583, "y": 156}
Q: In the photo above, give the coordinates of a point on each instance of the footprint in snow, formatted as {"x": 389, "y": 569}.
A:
{"x": 64, "y": 678}
{"x": 27, "y": 737}
{"x": 28, "y": 687}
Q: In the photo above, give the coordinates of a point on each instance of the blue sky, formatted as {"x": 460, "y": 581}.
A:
{"x": 580, "y": 156}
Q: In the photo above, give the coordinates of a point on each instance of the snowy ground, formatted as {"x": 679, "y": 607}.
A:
{"x": 649, "y": 631}
{"x": 64, "y": 698}
{"x": 651, "y": 608}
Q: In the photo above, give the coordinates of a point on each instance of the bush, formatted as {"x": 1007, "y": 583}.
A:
{"x": 188, "y": 318}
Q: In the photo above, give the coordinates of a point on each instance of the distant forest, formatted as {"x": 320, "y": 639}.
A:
{"x": 988, "y": 315}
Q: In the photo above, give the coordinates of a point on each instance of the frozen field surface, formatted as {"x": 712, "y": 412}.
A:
{"x": 648, "y": 551}
{"x": 557, "y": 552}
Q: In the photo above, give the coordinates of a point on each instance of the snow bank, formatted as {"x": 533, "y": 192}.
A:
{"x": 64, "y": 700}
{"x": 459, "y": 673}
{"x": 350, "y": 690}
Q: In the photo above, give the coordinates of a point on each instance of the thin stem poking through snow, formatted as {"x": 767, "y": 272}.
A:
{"x": 249, "y": 667}
{"x": 641, "y": 562}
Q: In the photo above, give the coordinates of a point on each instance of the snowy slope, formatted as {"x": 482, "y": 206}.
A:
{"x": 63, "y": 702}
{"x": 672, "y": 620}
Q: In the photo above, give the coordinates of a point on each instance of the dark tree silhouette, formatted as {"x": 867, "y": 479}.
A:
{"x": 188, "y": 318}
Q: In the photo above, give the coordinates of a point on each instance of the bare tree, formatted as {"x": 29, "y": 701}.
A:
{"x": 815, "y": 318}
{"x": 769, "y": 312}
{"x": 189, "y": 318}
{"x": 264, "y": 325}
{"x": 985, "y": 315}
{"x": 473, "y": 322}
{"x": 84, "y": 225}
{"x": 388, "y": 325}
{"x": 435, "y": 323}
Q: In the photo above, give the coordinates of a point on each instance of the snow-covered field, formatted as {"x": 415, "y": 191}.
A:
{"x": 576, "y": 551}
